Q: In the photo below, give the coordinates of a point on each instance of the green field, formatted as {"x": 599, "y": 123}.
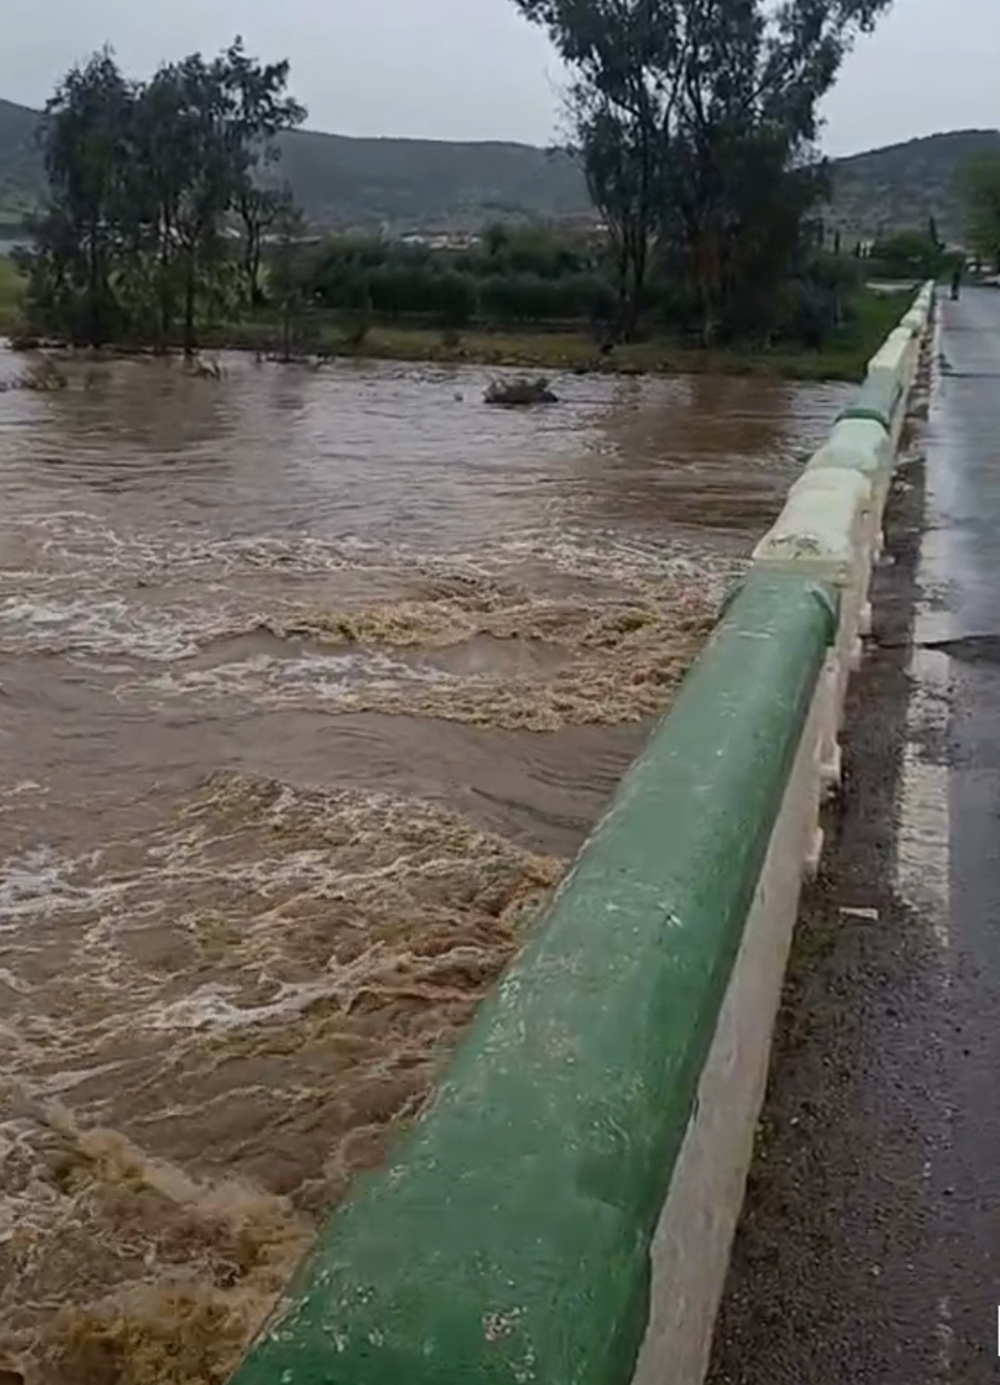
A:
{"x": 843, "y": 358}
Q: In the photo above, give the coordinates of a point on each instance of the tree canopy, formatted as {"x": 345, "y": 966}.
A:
{"x": 147, "y": 181}
{"x": 695, "y": 122}
{"x": 981, "y": 189}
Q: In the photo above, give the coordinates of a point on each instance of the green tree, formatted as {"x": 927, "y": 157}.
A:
{"x": 160, "y": 173}
{"x": 207, "y": 176}
{"x": 147, "y": 182}
{"x": 259, "y": 210}
{"x": 981, "y": 196}
{"x": 84, "y": 134}
{"x": 261, "y": 110}
{"x": 909, "y": 255}
{"x": 682, "y": 109}
{"x": 289, "y": 273}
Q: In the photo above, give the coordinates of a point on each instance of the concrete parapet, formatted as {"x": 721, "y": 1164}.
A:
{"x": 864, "y": 446}
{"x": 690, "y": 1252}
{"x": 598, "y": 1096}
{"x": 832, "y": 529}
{"x": 823, "y": 526}
{"x": 877, "y": 401}
{"x": 827, "y": 530}
{"x": 892, "y": 368}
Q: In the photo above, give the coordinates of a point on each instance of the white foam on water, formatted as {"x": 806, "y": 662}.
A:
{"x": 79, "y": 540}
{"x": 104, "y": 629}
{"x": 211, "y": 1008}
{"x": 37, "y": 886}
{"x": 322, "y": 677}
{"x": 82, "y": 541}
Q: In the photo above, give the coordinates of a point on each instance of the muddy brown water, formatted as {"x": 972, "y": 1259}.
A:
{"x": 311, "y": 682}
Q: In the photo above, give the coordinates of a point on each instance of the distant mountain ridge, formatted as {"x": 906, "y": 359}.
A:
{"x": 902, "y": 186}
{"x": 22, "y": 177}
{"x": 342, "y": 181}
{"x": 415, "y": 184}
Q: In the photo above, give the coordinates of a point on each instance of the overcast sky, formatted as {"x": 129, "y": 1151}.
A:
{"x": 473, "y": 69}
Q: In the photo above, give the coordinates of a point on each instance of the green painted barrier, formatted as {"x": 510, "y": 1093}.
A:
{"x": 876, "y": 400}
{"x": 508, "y": 1240}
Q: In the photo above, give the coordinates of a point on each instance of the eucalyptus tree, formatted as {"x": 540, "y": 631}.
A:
{"x": 685, "y": 111}
{"x": 84, "y": 133}
{"x": 148, "y": 183}
{"x": 261, "y": 111}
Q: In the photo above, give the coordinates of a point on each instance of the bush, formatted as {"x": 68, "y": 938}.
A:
{"x": 813, "y": 314}
{"x": 530, "y": 298}
{"x": 908, "y": 255}
{"x": 457, "y": 299}
{"x": 527, "y": 274}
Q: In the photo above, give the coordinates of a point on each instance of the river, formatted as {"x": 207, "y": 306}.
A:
{"x": 311, "y": 682}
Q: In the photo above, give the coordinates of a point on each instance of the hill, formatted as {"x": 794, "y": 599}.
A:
{"x": 21, "y": 175}
{"x": 340, "y": 181}
{"x": 902, "y": 186}
{"x": 413, "y": 183}
{"x": 410, "y": 184}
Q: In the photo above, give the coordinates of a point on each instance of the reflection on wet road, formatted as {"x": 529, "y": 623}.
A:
{"x": 311, "y": 682}
{"x": 964, "y": 476}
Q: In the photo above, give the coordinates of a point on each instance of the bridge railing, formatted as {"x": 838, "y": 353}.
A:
{"x": 563, "y": 1212}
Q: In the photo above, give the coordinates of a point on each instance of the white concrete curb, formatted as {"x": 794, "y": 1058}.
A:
{"x": 831, "y": 526}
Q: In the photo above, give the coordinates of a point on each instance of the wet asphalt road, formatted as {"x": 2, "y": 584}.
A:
{"x": 964, "y": 484}
{"x": 869, "y": 1250}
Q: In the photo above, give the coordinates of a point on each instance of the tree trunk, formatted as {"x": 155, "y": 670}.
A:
{"x": 166, "y": 303}
{"x": 707, "y": 268}
{"x": 286, "y": 331}
{"x": 251, "y": 263}
{"x": 190, "y": 345}
{"x": 638, "y": 254}
{"x": 630, "y": 314}
{"x": 255, "y": 294}
{"x": 621, "y": 275}
{"x": 93, "y": 328}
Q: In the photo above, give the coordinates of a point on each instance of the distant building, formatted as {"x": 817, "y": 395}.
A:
{"x": 442, "y": 240}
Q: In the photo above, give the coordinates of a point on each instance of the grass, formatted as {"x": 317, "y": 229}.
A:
{"x": 844, "y": 357}
{"x": 10, "y": 295}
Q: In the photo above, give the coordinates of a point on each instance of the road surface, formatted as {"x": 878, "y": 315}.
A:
{"x": 870, "y": 1244}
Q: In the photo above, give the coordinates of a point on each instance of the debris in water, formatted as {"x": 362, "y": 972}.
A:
{"x": 520, "y": 393}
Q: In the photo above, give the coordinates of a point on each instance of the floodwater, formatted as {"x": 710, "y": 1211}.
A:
{"x": 310, "y": 682}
